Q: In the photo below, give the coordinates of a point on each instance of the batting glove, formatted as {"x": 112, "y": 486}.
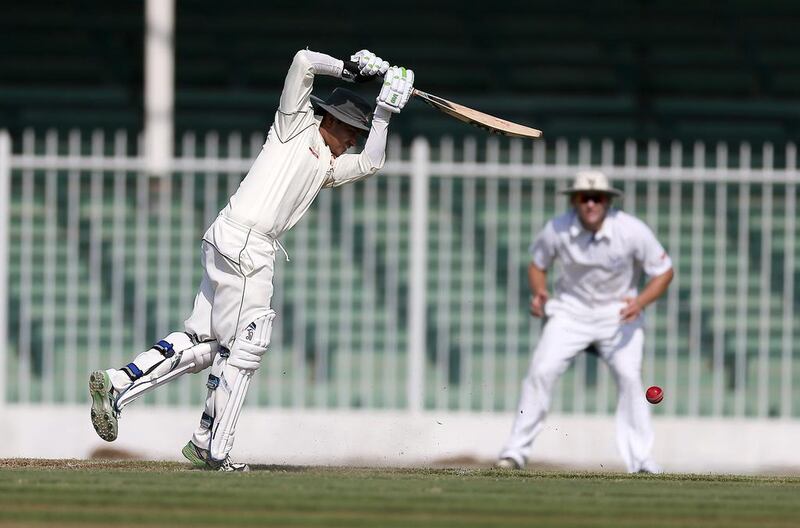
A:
{"x": 398, "y": 85}
{"x": 364, "y": 66}
{"x": 369, "y": 64}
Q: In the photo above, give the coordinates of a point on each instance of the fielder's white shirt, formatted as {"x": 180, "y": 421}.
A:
{"x": 295, "y": 163}
{"x": 596, "y": 271}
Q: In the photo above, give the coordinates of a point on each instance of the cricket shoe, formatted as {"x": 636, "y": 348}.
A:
{"x": 201, "y": 459}
{"x": 104, "y": 417}
{"x": 650, "y": 468}
{"x": 507, "y": 463}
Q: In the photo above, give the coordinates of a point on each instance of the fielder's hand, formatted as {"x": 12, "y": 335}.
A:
{"x": 537, "y": 304}
{"x": 632, "y": 309}
{"x": 364, "y": 66}
{"x": 398, "y": 85}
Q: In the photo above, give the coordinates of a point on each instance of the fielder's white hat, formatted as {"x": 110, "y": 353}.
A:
{"x": 592, "y": 181}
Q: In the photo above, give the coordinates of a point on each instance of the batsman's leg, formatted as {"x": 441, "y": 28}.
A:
{"x": 227, "y": 387}
{"x": 170, "y": 358}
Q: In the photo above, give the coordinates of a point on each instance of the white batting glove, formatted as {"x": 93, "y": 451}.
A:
{"x": 369, "y": 64}
{"x": 398, "y": 85}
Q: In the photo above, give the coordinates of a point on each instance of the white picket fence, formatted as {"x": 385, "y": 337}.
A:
{"x": 406, "y": 291}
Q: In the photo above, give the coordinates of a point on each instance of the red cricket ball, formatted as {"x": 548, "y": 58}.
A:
{"x": 654, "y": 394}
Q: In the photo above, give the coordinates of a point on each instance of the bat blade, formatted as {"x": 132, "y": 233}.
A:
{"x": 488, "y": 122}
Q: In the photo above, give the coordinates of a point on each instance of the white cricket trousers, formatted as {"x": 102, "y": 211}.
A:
{"x": 238, "y": 266}
{"x": 620, "y": 346}
{"x": 236, "y": 289}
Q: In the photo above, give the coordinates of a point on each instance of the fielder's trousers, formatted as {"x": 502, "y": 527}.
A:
{"x": 620, "y": 346}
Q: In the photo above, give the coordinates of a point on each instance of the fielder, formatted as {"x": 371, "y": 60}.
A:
{"x": 230, "y": 325}
{"x": 601, "y": 253}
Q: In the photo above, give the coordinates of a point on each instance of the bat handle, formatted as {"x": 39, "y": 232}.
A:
{"x": 350, "y": 73}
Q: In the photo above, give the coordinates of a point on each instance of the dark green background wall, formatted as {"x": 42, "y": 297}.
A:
{"x": 630, "y": 68}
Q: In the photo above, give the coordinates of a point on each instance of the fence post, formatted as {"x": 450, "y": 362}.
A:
{"x": 5, "y": 179}
{"x": 420, "y": 154}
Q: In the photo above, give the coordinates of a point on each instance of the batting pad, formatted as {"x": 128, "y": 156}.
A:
{"x": 225, "y": 430}
{"x": 192, "y": 360}
{"x": 235, "y": 373}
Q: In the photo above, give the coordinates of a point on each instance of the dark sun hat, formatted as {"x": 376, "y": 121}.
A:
{"x": 346, "y": 106}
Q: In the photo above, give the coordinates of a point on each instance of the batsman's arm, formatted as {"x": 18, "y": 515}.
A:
{"x": 349, "y": 168}
{"x": 394, "y": 94}
{"x": 296, "y": 93}
{"x": 295, "y": 111}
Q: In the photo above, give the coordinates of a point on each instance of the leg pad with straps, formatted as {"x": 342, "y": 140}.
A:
{"x": 182, "y": 356}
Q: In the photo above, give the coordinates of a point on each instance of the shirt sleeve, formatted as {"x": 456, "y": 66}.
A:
{"x": 295, "y": 111}
{"x": 543, "y": 250}
{"x": 349, "y": 168}
{"x": 654, "y": 258}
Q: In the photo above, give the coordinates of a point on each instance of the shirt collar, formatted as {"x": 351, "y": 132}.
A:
{"x": 576, "y": 228}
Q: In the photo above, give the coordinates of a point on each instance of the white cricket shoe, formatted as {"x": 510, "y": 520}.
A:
{"x": 104, "y": 417}
{"x": 507, "y": 463}
{"x": 650, "y": 468}
{"x": 201, "y": 459}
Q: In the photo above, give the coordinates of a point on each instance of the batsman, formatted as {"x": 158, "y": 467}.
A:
{"x": 230, "y": 325}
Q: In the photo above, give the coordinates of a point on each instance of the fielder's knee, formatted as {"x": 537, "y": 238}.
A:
{"x": 629, "y": 379}
{"x": 250, "y": 345}
{"x": 542, "y": 377}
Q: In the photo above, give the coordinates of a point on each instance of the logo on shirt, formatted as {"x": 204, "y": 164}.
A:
{"x": 616, "y": 262}
{"x": 312, "y": 151}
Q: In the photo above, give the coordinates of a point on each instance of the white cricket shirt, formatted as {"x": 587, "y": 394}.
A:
{"x": 295, "y": 163}
{"x": 596, "y": 271}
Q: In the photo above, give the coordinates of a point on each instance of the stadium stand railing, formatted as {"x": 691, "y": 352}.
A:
{"x": 102, "y": 260}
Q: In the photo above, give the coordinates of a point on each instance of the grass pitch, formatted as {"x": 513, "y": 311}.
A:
{"x": 122, "y": 494}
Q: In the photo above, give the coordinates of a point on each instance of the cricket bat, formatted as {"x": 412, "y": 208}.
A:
{"x": 494, "y": 125}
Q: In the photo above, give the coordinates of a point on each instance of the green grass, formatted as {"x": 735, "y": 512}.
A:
{"x": 120, "y": 494}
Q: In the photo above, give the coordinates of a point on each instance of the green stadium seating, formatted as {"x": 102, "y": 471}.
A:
{"x": 743, "y": 54}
